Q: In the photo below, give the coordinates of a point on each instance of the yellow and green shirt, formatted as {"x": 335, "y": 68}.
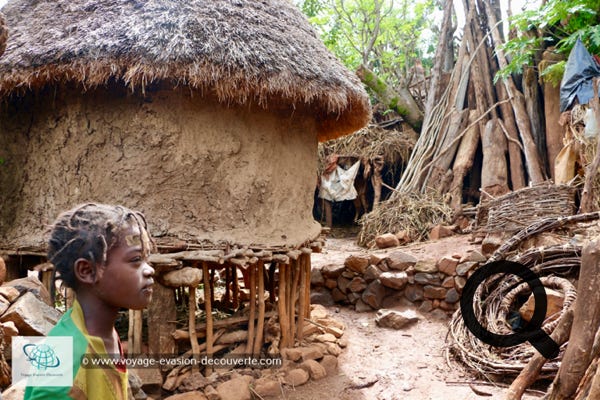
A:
{"x": 99, "y": 383}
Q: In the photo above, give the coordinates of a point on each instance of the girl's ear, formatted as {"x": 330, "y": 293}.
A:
{"x": 84, "y": 271}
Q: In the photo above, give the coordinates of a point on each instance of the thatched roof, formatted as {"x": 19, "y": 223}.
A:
{"x": 241, "y": 50}
{"x": 3, "y": 34}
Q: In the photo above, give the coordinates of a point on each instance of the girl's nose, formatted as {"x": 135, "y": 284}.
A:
{"x": 148, "y": 270}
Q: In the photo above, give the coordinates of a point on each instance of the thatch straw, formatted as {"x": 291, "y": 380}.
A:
{"x": 240, "y": 51}
{"x": 372, "y": 141}
{"x": 411, "y": 212}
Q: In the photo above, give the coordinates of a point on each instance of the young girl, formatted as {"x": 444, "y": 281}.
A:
{"x": 100, "y": 251}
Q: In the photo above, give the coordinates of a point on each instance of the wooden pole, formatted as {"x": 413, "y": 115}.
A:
{"x": 192, "y": 324}
{"x": 252, "y": 315}
{"x": 307, "y": 274}
{"x": 301, "y": 300}
{"x": 531, "y": 371}
{"x": 208, "y": 311}
{"x": 295, "y": 270}
{"x": 586, "y": 320}
{"x": 130, "y": 333}
{"x": 534, "y": 167}
{"x": 258, "y": 342}
{"x": 235, "y": 287}
{"x": 282, "y": 306}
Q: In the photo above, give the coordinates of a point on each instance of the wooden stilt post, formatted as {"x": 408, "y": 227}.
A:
{"x": 261, "y": 310}
{"x": 192, "y": 325}
{"x": 208, "y": 311}
{"x": 227, "y": 295}
{"x": 252, "y": 316}
{"x": 296, "y": 266}
{"x": 272, "y": 296}
{"x": 307, "y": 271}
{"x": 235, "y": 287}
{"x": 130, "y": 333}
{"x": 282, "y": 306}
{"x": 301, "y": 300}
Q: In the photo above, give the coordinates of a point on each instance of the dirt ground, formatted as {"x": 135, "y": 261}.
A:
{"x": 387, "y": 364}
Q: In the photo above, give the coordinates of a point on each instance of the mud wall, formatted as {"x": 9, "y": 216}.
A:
{"x": 198, "y": 169}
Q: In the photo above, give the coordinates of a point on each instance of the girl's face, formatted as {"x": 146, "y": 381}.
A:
{"x": 126, "y": 279}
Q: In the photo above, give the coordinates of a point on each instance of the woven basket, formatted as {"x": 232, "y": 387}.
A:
{"x": 516, "y": 210}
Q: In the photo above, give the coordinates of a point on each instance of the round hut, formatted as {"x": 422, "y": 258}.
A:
{"x": 203, "y": 114}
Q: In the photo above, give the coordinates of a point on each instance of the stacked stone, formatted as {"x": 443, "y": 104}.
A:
{"x": 314, "y": 359}
{"x": 366, "y": 280}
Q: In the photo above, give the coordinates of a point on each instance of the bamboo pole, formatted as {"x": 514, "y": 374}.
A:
{"x": 208, "y": 311}
{"x": 252, "y": 315}
{"x": 258, "y": 342}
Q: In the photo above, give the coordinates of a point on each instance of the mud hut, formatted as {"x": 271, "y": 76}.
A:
{"x": 205, "y": 115}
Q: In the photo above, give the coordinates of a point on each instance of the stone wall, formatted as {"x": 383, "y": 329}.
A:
{"x": 370, "y": 281}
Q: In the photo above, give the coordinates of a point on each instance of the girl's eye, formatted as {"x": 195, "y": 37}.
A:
{"x": 136, "y": 259}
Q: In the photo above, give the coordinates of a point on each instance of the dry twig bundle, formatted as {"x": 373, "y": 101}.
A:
{"x": 410, "y": 212}
{"x": 393, "y": 145}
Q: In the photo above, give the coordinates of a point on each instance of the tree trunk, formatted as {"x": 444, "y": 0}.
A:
{"x": 464, "y": 161}
{"x": 517, "y": 173}
{"x": 532, "y": 159}
{"x": 585, "y": 323}
{"x": 400, "y": 101}
{"x": 494, "y": 179}
{"x": 554, "y": 132}
{"x": 589, "y": 197}
{"x": 448, "y": 147}
{"x": 534, "y": 104}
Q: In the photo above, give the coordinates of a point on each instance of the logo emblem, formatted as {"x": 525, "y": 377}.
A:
{"x": 41, "y": 356}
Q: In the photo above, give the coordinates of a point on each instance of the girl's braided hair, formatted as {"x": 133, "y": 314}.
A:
{"x": 90, "y": 231}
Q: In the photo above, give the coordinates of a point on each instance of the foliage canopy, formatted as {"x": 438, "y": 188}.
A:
{"x": 557, "y": 24}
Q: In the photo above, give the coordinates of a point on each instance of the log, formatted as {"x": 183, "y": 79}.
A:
{"x": 577, "y": 357}
{"x": 517, "y": 173}
{"x": 532, "y": 159}
{"x": 162, "y": 314}
{"x": 464, "y": 161}
{"x": 529, "y": 374}
{"x": 494, "y": 178}
{"x": 301, "y": 301}
{"x": 295, "y": 271}
{"x": 180, "y": 334}
{"x": 534, "y": 106}
{"x": 400, "y": 100}
{"x": 554, "y": 131}
{"x": 457, "y": 123}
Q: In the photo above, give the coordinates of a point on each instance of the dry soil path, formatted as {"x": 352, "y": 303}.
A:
{"x": 386, "y": 364}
